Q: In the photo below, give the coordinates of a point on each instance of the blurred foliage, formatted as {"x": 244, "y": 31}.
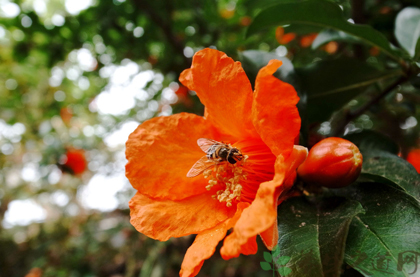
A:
{"x": 77, "y": 75}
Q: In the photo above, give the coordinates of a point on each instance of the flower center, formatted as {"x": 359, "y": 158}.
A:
{"x": 229, "y": 175}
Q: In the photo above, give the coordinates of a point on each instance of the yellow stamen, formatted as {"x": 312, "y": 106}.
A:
{"x": 229, "y": 175}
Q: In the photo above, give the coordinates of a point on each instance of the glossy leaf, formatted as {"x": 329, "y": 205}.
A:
{"x": 267, "y": 3}
{"x": 302, "y": 29}
{"x": 332, "y": 35}
{"x": 329, "y": 85}
{"x": 390, "y": 226}
{"x": 417, "y": 54}
{"x": 314, "y": 234}
{"x": 320, "y": 13}
{"x": 369, "y": 142}
{"x": 407, "y": 29}
{"x": 390, "y": 169}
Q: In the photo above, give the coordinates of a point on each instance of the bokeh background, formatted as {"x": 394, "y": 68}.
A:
{"x": 77, "y": 76}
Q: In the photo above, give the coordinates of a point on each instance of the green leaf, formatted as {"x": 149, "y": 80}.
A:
{"x": 417, "y": 55}
{"x": 392, "y": 170}
{"x": 254, "y": 60}
{"x": 261, "y": 4}
{"x": 331, "y": 35}
{"x": 268, "y": 257}
{"x": 390, "y": 226}
{"x": 369, "y": 142}
{"x": 283, "y": 260}
{"x": 265, "y": 266}
{"x": 283, "y": 271}
{"x": 313, "y": 235}
{"x": 302, "y": 29}
{"x": 329, "y": 84}
{"x": 407, "y": 29}
{"x": 319, "y": 13}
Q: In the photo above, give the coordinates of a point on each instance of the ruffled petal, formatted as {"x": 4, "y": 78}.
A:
{"x": 262, "y": 213}
{"x": 224, "y": 89}
{"x": 270, "y": 237}
{"x": 163, "y": 219}
{"x": 274, "y": 111}
{"x": 161, "y": 151}
{"x": 234, "y": 246}
{"x": 205, "y": 244}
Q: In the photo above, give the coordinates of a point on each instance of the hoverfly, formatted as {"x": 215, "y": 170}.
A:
{"x": 216, "y": 152}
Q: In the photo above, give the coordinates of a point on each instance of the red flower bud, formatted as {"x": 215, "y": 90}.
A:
{"x": 75, "y": 161}
{"x": 333, "y": 163}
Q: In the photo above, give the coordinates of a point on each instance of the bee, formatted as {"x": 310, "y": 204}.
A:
{"x": 216, "y": 152}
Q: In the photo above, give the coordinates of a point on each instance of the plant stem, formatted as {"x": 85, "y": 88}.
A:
{"x": 351, "y": 115}
{"x": 166, "y": 28}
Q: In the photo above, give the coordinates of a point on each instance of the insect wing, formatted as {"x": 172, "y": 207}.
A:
{"x": 200, "y": 166}
{"x": 205, "y": 143}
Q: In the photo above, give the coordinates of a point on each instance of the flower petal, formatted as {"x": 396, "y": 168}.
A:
{"x": 262, "y": 212}
{"x": 233, "y": 246}
{"x": 161, "y": 151}
{"x": 274, "y": 111}
{"x": 270, "y": 237}
{"x": 205, "y": 244}
{"x": 162, "y": 219}
{"x": 224, "y": 89}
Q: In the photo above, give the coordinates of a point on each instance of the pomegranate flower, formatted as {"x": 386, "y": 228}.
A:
{"x": 244, "y": 196}
{"x": 75, "y": 161}
{"x": 413, "y": 158}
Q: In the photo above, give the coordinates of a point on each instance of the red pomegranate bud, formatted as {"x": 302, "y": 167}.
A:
{"x": 333, "y": 163}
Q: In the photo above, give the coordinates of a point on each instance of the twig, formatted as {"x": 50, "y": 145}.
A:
{"x": 165, "y": 27}
{"x": 351, "y": 115}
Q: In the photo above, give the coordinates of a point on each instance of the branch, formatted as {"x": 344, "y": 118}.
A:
{"x": 351, "y": 115}
{"x": 166, "y": 28}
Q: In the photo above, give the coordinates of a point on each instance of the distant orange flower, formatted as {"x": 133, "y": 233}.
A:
{"x": 34, "y": 272}
{"x": 283, "y": 38}
{"x": 262, "y": 124}
{"x": 152, "y": 59}
{"x": 385, "y": 10}
{"x": 331, "y": 47}
{"x": 245, "y": 21}
{"x": 227, "y": 13}
{"x": 414, "y": 158}
{"x": 374, "y": 51}
{"x": 307, "y": 40}
{"x": 75, "y": 161}
{"x": 182, "y": 91}
{"x": 183, "y": 97}
{"x": 66, "y": 114}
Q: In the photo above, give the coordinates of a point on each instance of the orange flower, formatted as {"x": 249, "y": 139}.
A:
{"x": 75, "y": 161}
{"x": 182, "y": 91}
{"x": 414, "y": 158}
{"x": 374, "y": 51}
{"x": 307, "y": 40}
{"x": 161, "y": 151}
{"x": 34, "y": 272}
{"x": 283, "y": 38}
{"x": 66, "y": 114}
{"x": 245, "y": 21}
{"x": 331, "y": 47}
